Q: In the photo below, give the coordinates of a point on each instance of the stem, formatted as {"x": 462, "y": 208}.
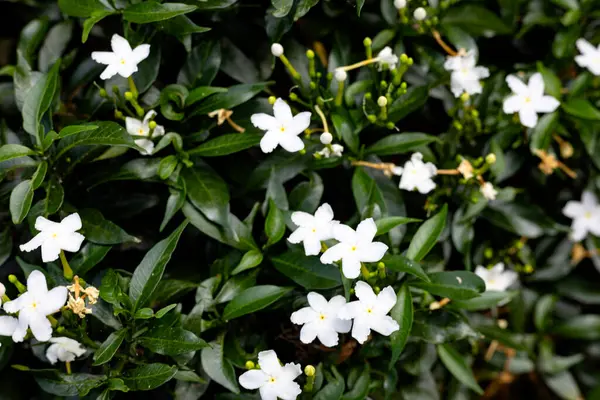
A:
{"x": 448, "y": 49}
{"x": 448, "y": 172}
{"x": 323, "y": 119}
{"x": 68, "y": 365}
{"x": 290, "y": 67}
{"x": 381, "y": 166}
{"x": 67, "y": 271}
{"x": 359, "y": 64}
{"x": 235, "y": 126}
{"x": 132, "y": 87}
{"x": 340, "y": 94}
{"x": 364, "y": 271}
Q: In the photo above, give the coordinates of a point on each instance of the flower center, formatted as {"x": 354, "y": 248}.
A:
{"x": 272, "y": 379}
{"x": 34, "y": 305}
{"x": 54, "y": 235}
{"x": 141, "y": 131}
{"x": 587, "y": 215}
{"x": 353, "y": 248}
{"x": 122, "y": 61}
{"x": 369, "y": 310}
{"x": 322, "y": 317}
{"x": 314, "y": 230}
{"x": 282, "y": 129}
{"x": 527, "y": 99}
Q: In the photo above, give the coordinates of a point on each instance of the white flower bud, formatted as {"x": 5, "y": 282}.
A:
{"x": 399, "y": 4}
{"x": 277, "y": 49}
{"x": 326, "y": 138}
{"x": 420, "y": 14}
{"x": 382, "y": 101}
{"x": 2, "y": 291}
{"x": 340, "y": 75}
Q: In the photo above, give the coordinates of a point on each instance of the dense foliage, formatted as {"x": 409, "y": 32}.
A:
{"x": 183, "y": 186}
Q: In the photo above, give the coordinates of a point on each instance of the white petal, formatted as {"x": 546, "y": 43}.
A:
{"x": 482, "y": 272}
{"x": 588, "y": 199}
{"x": 36, "y": 284}
{"x": 71, "y": 241}
{"x": 40, "y": 327}
{"x": 54, "y": 300}
{"x": 134, "y": 127}
{"x": 312, "y": 246}
{"x": 8, "y": 325}
{"x": 140, "y": 53}
{"x": 425, "y": 186}
{"x": 342, "y": 325}
{"x": 350, "y": 310}
{"x": 301, "y": 218}
{"x": 21, "y": 330}
{"x": 109, "y": 72}
{"x": 372, "y": 252}
{"x": 386, "y": 300}
{"x": 516, "y": 85}
{"x": 585, "y": 47}
{"x": 512, "y": 104}
{"x": 365, "y": 293}
{"x": 146, "y": 145}
{"x": 50, "y": 250}
{"x": 268, "y": 392}
{"x": 328, "y": 337}
{"x": 127, "y": 69}
{"x": 43, "y": 224}
{"x": 300, "y": 122}
{"x": 536, "y": 86}
{"x": 282, "y": 111}
{"x": 528, "y": 117}
{"x": 291, "y": 143}
{"x": 268, "y": 362}
{"x": 52, "y": 353}
{"x": 269, "y": 141}
{"x": 579, "y": 230}
{"x": 350, "y": 267}
{"x": 289, "y": 372}
{"x": 481, "y": 72}
{"x": 105, "y": 57}
{"x": 573, "y": 209}
{"x": 298, "y": 235}
{"x": 17, "y": 304}
{"x": 317, "y": 302}
{"x": 253, "y": 379}
{"x": 308, "y": 333}
{"x": 335, "y": 304}
{"x": 366, "y": 231}
{"x": 324, "y": 213}
{"x": 497, "y": 269}
{"x": 150, "y": 115}
{"x": 288, "y": 390}
{"x": 546, "y": 104}
{"x": 303, "y": 316}
{"x": 334, "y": 253}
{"x": 120, "y": 45}
{"x": 385, "y": 325}
{"x": 265, "y": 122}
{"x": 509, "y": 278}
{"x": 34, "y": 243}
{"x": 343, "y": 233}
{"x": 360, "y": 331}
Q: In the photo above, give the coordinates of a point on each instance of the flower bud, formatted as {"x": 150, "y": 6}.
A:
{"x": 382, "y": 101}
{"x": 420, "y": 14}
{"x": 528, "y": 268}
{"x": 502, "y": 323}
{"x": 367, "y": 41}
{"x": 403, "y": 58}
{"x": 277, "y": 49}
{"x": 390, "y": 125}
{"x": 103, "y": 93}
{"x": 464, "y": 97}
{"x": 272, "y": 100}
{"x": 488, "y": 253}
{"x": 399, "y": 4}
{"x": 293, "y": 96}
{"x": 250, "y": 364}
{"x": 152, "y": 124}
{"x": 376, "y": 289}
{"x": 309, "y": 370}
{"x": 326, "y": 138}
{"x": 490, "y": 158}
{"x": 128, "y": 95}
{"x": 380, "y": 265}
{"x": 372, "y": 118}
{"x": 368, "y": 96}
{"x": 310, "y": 54}
{"x": 302, "y": 152}
{"x": 340, "y": 75}
{"x": 118, "y": 114}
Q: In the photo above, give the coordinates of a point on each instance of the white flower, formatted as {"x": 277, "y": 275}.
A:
{"x": 326, "y": 138}
{"x": 590, "y": 56}
{"x": 8, "y": 325}
{"x": 122, "y": 59}
{"x": 313, "y": 229}
{"x": 399, "y": 4}
{"x": 585, "y": 215}
{"x": 135, "y": 127}
{"x": 273, "y": 380}
{"x": 282, "y": 129}
{"x": 416, "y": 174}
{"x": 387, "y": 57}
{"x": 528, "y": 100}
{"x": 340, "y": 75}
{"x": 488, "y": 191}
{"x": 465, "y": 75}
{"x": 370, "y": 312}
{"x": 56, "y": 236}
{"x": 420, "y": 14}
{"x": 354, "y": 247}
{"x": 496, "y": 278}
{"x": 335, "y": 151}
{"x": 64, "y": 349}
{"x": 34, "y": 305}
{"x": 320, "y": 320}
{"x": 2, "y": 292}
{"x": 277, "y": 49}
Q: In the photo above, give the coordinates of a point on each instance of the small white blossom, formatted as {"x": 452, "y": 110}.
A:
{"x": 335, "y": 151}
{"x": 273, "y": 380}
{"x": 465, "y": 74}
{"x": 387, "y": 58}
{"x": 56, "y": 236}
{"x": 313, "y": 229}
{"x": 382, "y": 101}
{"x": 416, "y": 174}
{"x": 488, "y": 191}
{"x": 282, "y": 129}
{"x": 320, "y": 320}
{"x": 399, "y": 4}
{"x": 496, "y": 278}
{"x": 340, "y": 75}
{"x": 8, "y": 325}
{"x": 122, "y": 59}
{"x": 590, "y": 56}
{"x": 528, "y": 100}
{"x": 135, "y": 127}
{"x": 277, "y": 49}
{"x": 64, "y": 349}
{"x": 370, "y": 312}
{"x": 354, "y": 247}
{"x": 33, "y": 306}
{"x": 585, "y": 215}
{"x": 326, "y": 138}
{"x": 420, "y": 14}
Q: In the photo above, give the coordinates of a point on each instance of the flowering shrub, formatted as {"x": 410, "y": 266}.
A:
{"x": 300, "y": 199}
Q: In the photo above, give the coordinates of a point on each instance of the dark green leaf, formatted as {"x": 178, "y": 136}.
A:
{"x": 386, "y": 224}
{"x": 400, "y": 263}
{"x": 54, "y": 45}
{"x": 108, "y": 349}
{"x": 552, "y": 83}
{"x": 584, "y": 327}
{"x": 10, "y": 151}
{"x": 581, "y": 108}
{"x": 38, "y": 176}
{"x": 202, "y": 65}
{"x": 98, "y": 230}
{"x": 345, "y": 129}
{"x": 402, "y": 313}
{"x": 153, "y": 11}
{"x": 252, "y": 300}
{"x": 484, "y": 301}
{"x": 274, "y": 224}
{"x": 455, "y": 285}
{"x": 400, "y": 143}
{"x": 174, "y": 203}
{"x": 87, "y": 257}
{"x": 20, "y": 201}
{"x": 73, "y": 129}
{"x": 38, "y": 100}
{"x": 250, "y": 260}
{"x": 89, "y": 23}
{"x": 208, "y": 192}
{"x": 366, "y": 193}
{"x": 440, "y": 326}
{"x": 217, "y": 367}
{"x": 227, "y": 144}
{"x": 171, "y": 341}
{"x": 458, "y": 367}
{"x": 413, "y": 100}
{"x": 202, "y": 92}
{"x": 149, "y": 376}
{"x": 235, "y": 95}
{"x": 65, "y": 385}
{"x": 427, "y": 235}
{"x": 541, "y": 135}
{"x": 108, "y": 134}
{"x": 307, "y": 272}
{"x": 475, "y": 19}
{"x": 80, "y": 8}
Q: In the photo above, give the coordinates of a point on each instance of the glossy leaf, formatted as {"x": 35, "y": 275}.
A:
{"x": 307, "y": 272}
{"x": 252, "y": 300}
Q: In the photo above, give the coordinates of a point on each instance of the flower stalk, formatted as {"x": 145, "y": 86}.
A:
{"x": 67, "y": 271}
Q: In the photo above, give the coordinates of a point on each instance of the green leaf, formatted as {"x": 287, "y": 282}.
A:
{"x": 207, "y": 192}
{"x": 99, "y": 230}
{"x": 564, "y": 385}
{"x": 144, "y": 313}
{"x": 307, "y": 272}
{"x": 427, "y": 235}
{"x": 55, "y": 195}
{"x": 484, "y": 301}
{"x": 386, "y": 224}
{"x": 475, "y": 19}
{"x": 282, "y": 7}
{"x": 73, "y": 129}
{"x": 164, "y": 311}
{"x": 359, "y": 6}
{"x": 20, "y": 201}
{"x": 152, "y": 11}
{"x": 175, "y": 202}
{"x": 38, "y": 100}
{"x": 108, "y": 349}
{"x": 366, "y": 193}
{"x": 581, "y": 108}
{"x": 543, "y": 311}
{"x": 552, "y": 83}
{"x": 202, "y": 92}
{"x": 80, "y": 8}
{"x": 88, "y": 257}
{"x": 217, "y": 367}
{"x": 6, "y": 243}
{"x": 93, "y": 19}
{"x": 274, "y": 224}
{"x": 252, "y": 300}
{"x": 171, "y": 341}
{"x": 149, "y": 376}
{"x": 402, "y": 313}
{"x": 235, "y": 286}
{"x": 361, "y": 387}
{"x": 66, "y": 385}
{"x": 440, "y": 326}
{"x": 171, "y": 289}
{"x": 149, "y": 272}
{"x": 201, "y": 66}
{"x": 108, "y": 134}
{"x": 458, "y": 367}
{"x": 306, "y": 196}
{"x": 400, "y": 263}
{"x": 400, "y": 143}
{"x": 345, "y": 129}
{"x": 251, "y": 259}
{"x": 235, "y": 95}
{"x": 413, "y": 100}
{"x": 227, "y": 144}
{"x": 455, "y": 285}
{"x": 10, "y": 151}
{"x": 55, "y": 44}
{"x": 541, "y": 134}
{"x": 181, "y": 26}
{"x": 38, "y": 176}
{"x": 584, "y": 327}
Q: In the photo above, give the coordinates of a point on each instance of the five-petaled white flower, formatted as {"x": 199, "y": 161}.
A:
{"x": 64, "y": 349}
{"x": 585, "y": 215}
{"x": 528, "y": 100}
{"x": 273, "y": 380}
{"x": 282, "y": 129}
{"x": 589, "y": 57}
{"x": 386, "y": 58}
{"x": 33, "y": 306}
{"x": 135, "y": 127}
{"x": 496, "y": 278}
{"x": 335, "y": 151}
{"x": 56, "y": 236}
{"x": 370, "y": 312}
{"x": 354, "y": 247}
{"x": 488, "y": 191}
{"x": 320, "y": 320}
{"x": 122, "y": 59}
{"x": 416, "y": 174}
{"x": 313, "y": 229}
{"x": 465, "y": 75}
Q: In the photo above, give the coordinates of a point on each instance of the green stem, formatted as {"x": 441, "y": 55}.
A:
{"x": 340, "y": 94}
{"x": 67, "y": 271}
{"x": 132, "y": 87}
{"x": 68, "y": 365}
{"x": 290, "y": 67}
{"x": 364, "y": 271}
